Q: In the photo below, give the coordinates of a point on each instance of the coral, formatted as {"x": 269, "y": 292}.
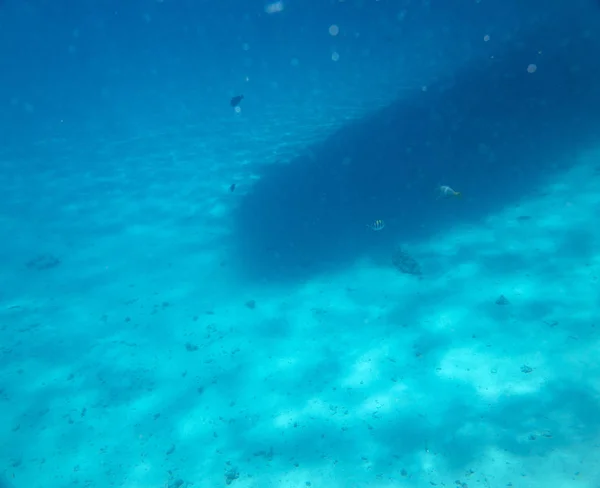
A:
{"x": 405, "y": 263}
{"x": 43, "y": 261}
{"x": 231, "y": 475}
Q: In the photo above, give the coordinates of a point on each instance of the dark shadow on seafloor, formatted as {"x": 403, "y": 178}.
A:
{"x": 494, "y": 132}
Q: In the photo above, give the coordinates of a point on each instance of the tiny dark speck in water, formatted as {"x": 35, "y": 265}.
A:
{"x": 235, "y": 101}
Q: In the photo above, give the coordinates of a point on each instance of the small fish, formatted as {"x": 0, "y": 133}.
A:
{"x": 235, "y": 101}
{"x": 377, "y": 225}
{"x": 232, "y": 187}
{"x": 446, "y": 191}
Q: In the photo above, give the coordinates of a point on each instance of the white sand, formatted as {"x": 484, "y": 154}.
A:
{"x": 390, "y": 381}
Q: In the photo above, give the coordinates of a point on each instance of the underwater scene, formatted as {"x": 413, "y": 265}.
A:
{"x": 299, "y": 244}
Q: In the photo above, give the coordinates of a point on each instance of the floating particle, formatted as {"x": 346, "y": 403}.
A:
{"x": 486, "y": 38}
{"x": 334, "y": 30}
{"x": 532, "y": 68}
{"x": 273, "y": 8}
{"x": 335, "y": 56}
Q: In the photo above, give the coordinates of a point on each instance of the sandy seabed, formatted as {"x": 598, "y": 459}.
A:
{"x": 131, "y": 356}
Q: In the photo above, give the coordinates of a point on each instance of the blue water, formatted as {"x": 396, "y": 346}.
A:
{"x": 192, "y": 294}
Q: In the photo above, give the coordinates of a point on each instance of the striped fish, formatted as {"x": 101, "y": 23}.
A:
{"x": 377, "y": 225}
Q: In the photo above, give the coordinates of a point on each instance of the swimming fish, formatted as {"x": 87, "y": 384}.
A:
{"x": 377, "y": 225}
{"x": 235, "y": 101}
{"x": 232, "y": 187}
{"x": 446, "y": 191}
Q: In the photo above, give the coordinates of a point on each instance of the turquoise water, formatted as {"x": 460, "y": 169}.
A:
{"x": 192, "y": 294}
